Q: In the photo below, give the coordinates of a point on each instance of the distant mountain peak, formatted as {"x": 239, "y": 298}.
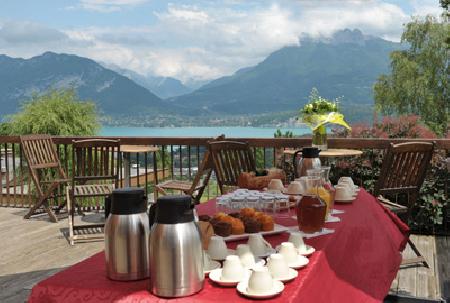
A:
{"x": 344, "y": 36}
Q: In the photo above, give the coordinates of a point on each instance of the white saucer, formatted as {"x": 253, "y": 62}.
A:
{"x": 301, "y": 261}
{"x": 230, "y": 252}
{"x": 212, "y": 265}
{"x": 215, "y": 276}
{"x": 335, "y": 211}
{"x": 268, "y": 252}
{"x": 346, "y": 200}
{"x": 277, "y": 288}
{"x": 292, "y": 274}
{"x": 273, "y": 191}
{"x": 307, "y": 251}
{"x": 286, "y": 192}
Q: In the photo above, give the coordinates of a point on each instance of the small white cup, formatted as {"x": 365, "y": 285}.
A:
{"x": 260, "y": 282}
{"x": 295, "y": 188}
{"x": 257, "y": 244}
{"x": 217, "y": 248}
{"x": 343, "y": 192}
{"x": 232, "y": 269}
{"x": 245, "y": 255}
{"x": 277, "y": 266}
{"x": 296, "y": 238}
{"x": 348, "y": 180}
{"x": 206, "y": 260}
{"x": 289, "y": 252}
{"x": 275, "y": 184}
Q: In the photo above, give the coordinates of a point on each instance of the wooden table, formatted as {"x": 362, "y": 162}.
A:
{"x": 127, "y": 150}
{"x": 331, "y": 153}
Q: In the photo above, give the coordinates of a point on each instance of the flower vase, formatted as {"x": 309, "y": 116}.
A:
{"x": 319, "y": 137}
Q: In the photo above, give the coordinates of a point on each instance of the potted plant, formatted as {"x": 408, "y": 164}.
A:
{"x": 317, "y": 114}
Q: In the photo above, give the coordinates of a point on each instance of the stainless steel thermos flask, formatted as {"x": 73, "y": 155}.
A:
{"x": 176, "y": 263}
{"x": 126, "y": 235}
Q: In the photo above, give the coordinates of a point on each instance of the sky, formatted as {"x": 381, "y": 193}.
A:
{"x": 190, "y": 40}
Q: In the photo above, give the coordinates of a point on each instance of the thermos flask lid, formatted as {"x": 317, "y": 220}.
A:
{"x": 310, "y": 152}
{"x": 174, "y": 209}
{"x": 128, "y": 201}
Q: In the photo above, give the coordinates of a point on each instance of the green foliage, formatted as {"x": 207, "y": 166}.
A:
{"x": 286, "y": 134}
{"x": 318, "y": 105}
{"x": 56, "y": 112}
{"x": 418, "y": 83}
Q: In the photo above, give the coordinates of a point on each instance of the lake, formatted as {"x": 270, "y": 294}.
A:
{"x": 196, "y": 131}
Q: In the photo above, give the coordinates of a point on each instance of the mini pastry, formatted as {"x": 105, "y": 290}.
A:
{"x": 222, "y": 229}
{"x": 252, "y": 226}
{"x": 248, "y": 212}
{"x": 267, "y": 223}
{"x": 237, "y": 227}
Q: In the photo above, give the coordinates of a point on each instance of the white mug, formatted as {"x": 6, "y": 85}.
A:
{"x": 275, "y": 184}
{"x": 206, "y": 260}
{"x": 257, "y": 244}
{"x": 232, "y": 269}
{"x": 277, "y": 266}
{"x": 296, "y": 238}
{"x": 295, "y": 188}
{"x": 343, "y": 192}
{"x": 260, "y": 281}
{"x": 289, "y": 252}
{"x": 348, "y": 180}
{"x": 217, "y": 248}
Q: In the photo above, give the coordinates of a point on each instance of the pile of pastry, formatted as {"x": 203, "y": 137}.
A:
{"x": 247, "y": 220}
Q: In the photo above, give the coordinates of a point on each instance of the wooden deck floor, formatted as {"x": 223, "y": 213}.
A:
{"x": 32, "y": 250}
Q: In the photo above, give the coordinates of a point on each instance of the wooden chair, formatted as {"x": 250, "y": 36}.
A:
{"x": 194, "y": 188}
{"x": 43, "y": 160}
{"x": 95, "y": 173}
{"x": 403, "y": 172}
{"x": 230, "y": 159}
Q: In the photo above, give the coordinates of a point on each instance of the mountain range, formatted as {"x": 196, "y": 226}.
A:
{"x": 345, "y": 65}
{"x": 112, "y": 92}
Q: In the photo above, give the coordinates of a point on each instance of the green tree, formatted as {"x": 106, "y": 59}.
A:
{"x": 418, "y": 83}
{"x": 56, "y": 112}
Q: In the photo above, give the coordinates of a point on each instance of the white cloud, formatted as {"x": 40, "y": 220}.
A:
{"x": 215, "y": 38}
{"x": 107, "y": 6}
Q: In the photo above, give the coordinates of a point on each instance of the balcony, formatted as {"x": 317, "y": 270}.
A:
{"x": 39, "y": 247}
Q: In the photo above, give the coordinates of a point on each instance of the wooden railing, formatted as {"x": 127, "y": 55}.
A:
{"x": 178, "y": 158}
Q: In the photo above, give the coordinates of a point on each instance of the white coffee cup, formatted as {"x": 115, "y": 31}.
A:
{"x": 206, "y": 260}
{"x": 277, "y": 266}
{"x": 348, "y": 180}
{"x": 258, "y": 245}
{"x": 295, "y": 188}
{"x": 217, "y": 248}
{"x": 245, "y": 255}
{"x": 343, "y": 192}
{"x": 232, "y": 269}
{"x": 289, "y": 252}
{"x": 260, "y": 281}
{"x": 296, "y": 238}
{"x": 275, "y": 184}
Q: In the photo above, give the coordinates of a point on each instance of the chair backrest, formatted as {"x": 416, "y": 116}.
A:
{"x": 404, "y": 168}
{"x": 40, "y": 153}
{"x": 230, "y": 159}
{"x": 96, "y": 159}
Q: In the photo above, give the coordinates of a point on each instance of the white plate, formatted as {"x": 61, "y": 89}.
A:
{"x": 309, "y": 250}
{"x": 292, "y": 274}
{"x": 304, "y": 252}
{"x": 230, "y": 252}
{"x": 335, "y": 211}
{"x": 301, "y": 261}
{"x": 212, "y": 265}
{"x": 277, "y": 288}
{"x": 277, "y": 229}
{"x": 215, "y": 275}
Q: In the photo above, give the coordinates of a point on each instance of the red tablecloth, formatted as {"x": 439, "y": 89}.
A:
{"x": 356, "y": 263}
